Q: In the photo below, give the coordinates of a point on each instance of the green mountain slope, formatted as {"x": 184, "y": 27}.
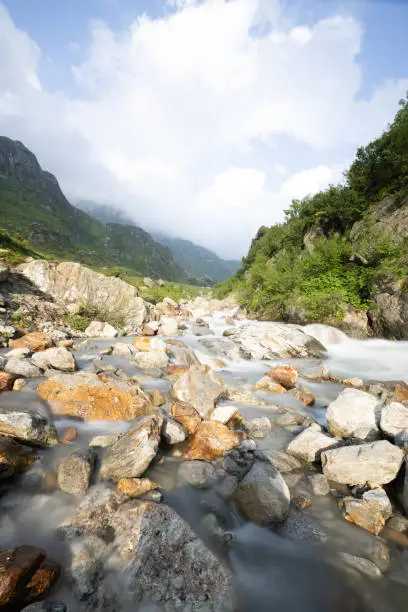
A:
{"x": 33, "y": 206}
{"x": 340, "y": 256}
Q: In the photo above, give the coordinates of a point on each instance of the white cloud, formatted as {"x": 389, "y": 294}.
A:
{"x": 177, "y": 118}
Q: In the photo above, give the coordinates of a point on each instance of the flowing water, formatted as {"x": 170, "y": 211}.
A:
{"x": 290, "y": 568}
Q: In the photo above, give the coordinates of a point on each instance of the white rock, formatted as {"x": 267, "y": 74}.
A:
{"x": 173, "y": 432}
{"x": 58, "y": 358}
{"x": 123, "y": 350}
{"x": 259, "y": 427}
{"x": 98, "y": 329}
{"x": 394, "y": 419}
{"x": 200, "y": 387}
{"x": 151, "y": 359}
{"x": 309, "y": 444}
{"x": 224, "y": 413}
{"x": 168, "y": 327}
{"x": 354, "y": 414}
{"x": 18, "y": 353}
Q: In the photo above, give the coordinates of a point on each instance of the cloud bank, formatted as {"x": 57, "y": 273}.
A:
{"x": 202, "y": 122}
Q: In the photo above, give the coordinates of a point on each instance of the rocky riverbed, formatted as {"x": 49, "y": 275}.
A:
{"x": 207, "y": 463}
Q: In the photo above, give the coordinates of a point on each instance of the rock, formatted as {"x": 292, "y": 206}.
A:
{"x": 394, "y": 419}
{"x": 72, "y": 283}
{"x": 75, "y": 471}
{"x": 404, "y": 497}
{"x": 4, "y": 271}
{"x": 362, "y": 565}
{"x": 151, "y": 359}
{"x": 30, "y": 422}
{"x": 309, "y": 444}
{"x": 259, "y": 427}
{"x": 135, "y": 487}
{"x": 211, "y": 439}
{"x": 224, "y": 413}
{"x": 69, "y": 435}
{"x": 146, "y": 345}
{"x": 6, "y": 381}
{"x": 19, "y": 384}
{"x": 6, "y": 332}
{"x": 266, "y": 384}
{"x": 306, "y": 397}
{"x": 401, "y": 439}
{"x": 57, "y": 358}
{"x": 173, "y": 432}
{"x": 26, "y": 574}
{"x": 95, "y": 513}
{"x": 187, "y": 416}
{"x": 151, "y": 328}
{"x": 157, "y": 398}
{"x": 200, "y": 387}
{"x": 354, "y": 382}
{"x": 354, "y": 414}
{"x": 168, "y": 327}
{"x": 370, "y": 512}
{"x": 318, "y": 372}
{"x": 377, "y": 463}
{"x": 195, "y": 473}
{"x": 239, "y": 461}
{"x": 18, "y": 353}
{"x": 22, "y": 367}
{"x": 104, "y": 441}
{"x": 319, "y": 484}
{"x": 181, "y": 354}
{"x": 14, "y": 458}
{"x": 46, "y": 606}
{"x": 282, "y": 461}
{"x": 263, "y": 496}
{"x": 98, "y": 329}
{"x": 34, "y": 341}
{"x": 132, "y": 454}
{"x": 284, "y": 375}
{"x": 176, "y": 370}
{"x": 149, "y": 282}
{"x": 87, "y": 396}
{"x": 120, "y": 349}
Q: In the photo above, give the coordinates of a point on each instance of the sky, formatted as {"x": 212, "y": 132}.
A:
{"x": 200, "y": 118}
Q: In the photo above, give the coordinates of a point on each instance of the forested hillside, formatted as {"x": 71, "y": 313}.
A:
{"x": 340, "y": 256}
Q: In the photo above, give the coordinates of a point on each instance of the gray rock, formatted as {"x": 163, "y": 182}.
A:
{"x": 362, "y": 565}
{"x": 195, "y": 473}
{"x": 75, "y": 471}
{"x": 120, "y": 349}
{"x": 200, "y": 387}
{"x": 259, "y": 427}
{"x": 309, "y": 444}
{"x": 354, "y": 414}
{"x": 46, "y": 606}
{"x": 105, "y": 440}
{"x": 182, "y": 355}
{"x": 95, "y": 513}
{"x": 282, "y": 461}
{"x": 4, "y": 271}
{"x": 263, "y": 496}
{"x": 319, "y": 484}
{"x": 58, "y": 358}
{"x": 31, "y": 423}
{"x": 318, "y": 372}
{"x": 173, "y": 432}
{"x": 99, "y": 329}
{"x": 240, "y": 460}
{"x": 151, "y": 359}
{"x": 394, "y": 419}
{"x": 132, "y": 454}
{"x": 376, "y": 463}
{"x": 22, "y": 367}
{"x": 401, "y": 439}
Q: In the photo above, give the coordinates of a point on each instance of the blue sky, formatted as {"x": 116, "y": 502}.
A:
{"x": 203, "y": 119}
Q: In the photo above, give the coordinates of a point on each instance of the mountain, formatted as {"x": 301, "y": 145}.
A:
{"x": 33, "y": 206}
{"x": 340, "y": 257}
{"x": 104, "y": 213}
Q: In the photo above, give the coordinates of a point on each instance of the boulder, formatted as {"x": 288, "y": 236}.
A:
{"x": 376, "y": 463}
{"x": 22, "y": 367}
{"x": 26, "y": 574}
{"x": 370, "y": 512}
{"x": 135, "y": 487}
{"x": 57, "y": 358}
{"x": 176, "y": 370}
{"x": 224, "y": 413}
{"x": 15, "y": 458}
{"x": 181, "y": 354}
{"x": 187, "y": 416}
{"x": 18, "y": 353}
{"x": 34, "y": 341}
{"x": 87, "y": 396}
{"x": 309, "y": 444}
{"x": 72, "y": 283}
{"x": 6, "y": 381}
{"x": 284, "y": 375}
{"x": 195, "y": 473}
{"x": 212, "y": 439}
{"x": 319, "y": 485}
{"x": 75, "y": 471}
{"x": 151, "y": 359}
{"x": 173, "y": 432}
{"x": 259, "y": 427}
{"x": 151, "y": 328}
{"x": 354, "y": 414}
{"x": 201, "y": 388}
{"x": 168, "y": 327}
{"x": 132, "y": 454}
{"x": 394, "y": 419}
{"x": 99, "y": 329}
{"x": 104, "y": 441}
{"x": 266, "y": 384}
{"x": 263, "y": 496}
{"x": 26, "y": 418}
{"x": 95, "y": 512}
{"x": 282, "y": 461}
{"x": 149, "y": 344}
{"x": 120, "y": 349}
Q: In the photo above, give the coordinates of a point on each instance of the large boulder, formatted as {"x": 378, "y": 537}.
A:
{"x": 132, "y": 454}
{"x": 34, "y": 341}
{"x": 394, "y": 419}
{"x": 212, "y": 439}
{"x": 26, "y": 418}
{"x": 72, "y": 283}
{"x": 200, "y": 387}
{"x": 354, "y": 414}
{"x": 87, "y": 396}
{"x": 263, "y": 496}
{"x": 57, "y": 358}
{"x": 151, "y": 359}
{"x": 376, "y": 463}
{"x": 22, "y": 367}
{"x": 99, "y": 329}
{"x": 309, "y": 444}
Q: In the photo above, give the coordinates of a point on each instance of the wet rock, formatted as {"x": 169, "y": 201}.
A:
{"x": 26, "y": 574}
{"x": 173, "y": 432}
{"x": 201, "y": 388}
{"x": 86, "y": 395}
{"x": 398, "y": 523}
{"x": 58, "y": 358}
{"x": 6, "y": 381}
{"x": 224, "y": 413}
{"x": 168, "y": 326}
{"x": 99, "y": 329}
{"x": 34, "y": 341}
{"x": 259, "y": 427}
{"x": 362, "y": 565}
{"x": 95, "y": 513}
{"x": 318, "y": 372}
{"x": 211, "y": 439}
{"x": 46, "y": 606}
{"x": 377, "y": 463}
{"x": 22, "y": 367}
{"x": 27, "y": 419}
{"x": 370, "y": 512}
{"x": 282, "y": 461}
{"x": 319, "y": 484}
{"x": 266, "y": 384}
{"x": 105, "y": 440}
{"x": 187, "y": 416}
{"x": 284, "y": 375}
{"x": 15, "y": 458}
{"x": 240, "y": 460}
{"x": 354, "y": 414}
{"x": 263, "y": 496}
{"x": 151, "y": 359}
{"x": 123, "y": 350}
{"x": 309, "y": 444}
{"x": 195, "y": 473}
{"x": 292, "y": 417}
{"x": 394, "y": 419}
{"x": 132, "y": 454}
{"x": 135, "y": 487}
{"x": 75, "y": 471}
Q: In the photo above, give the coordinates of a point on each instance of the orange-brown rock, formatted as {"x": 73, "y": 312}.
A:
{"x": 237, "y": 421}
{"x": 15, "y": 458}
{"x": 87, "y": 396}
{"x": 135, "y": 487}
{"x": 35, "y": 341}
{"x": 212, "y": 439}
{"x": 266, "y": 384}
{"x": 6, "y": 381}
{"x": 218, "y": 363}
{"x": 157, "y": 397}
{"x": 401, "y": 392}
{"x": 306, "y": 397}
{"x": 142, "y": 344}
{"x": 284, "y": 375}
{"x": 187, "y": 416}
{"x": 69, "y": 435}
{"x": 176, "y": 370}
